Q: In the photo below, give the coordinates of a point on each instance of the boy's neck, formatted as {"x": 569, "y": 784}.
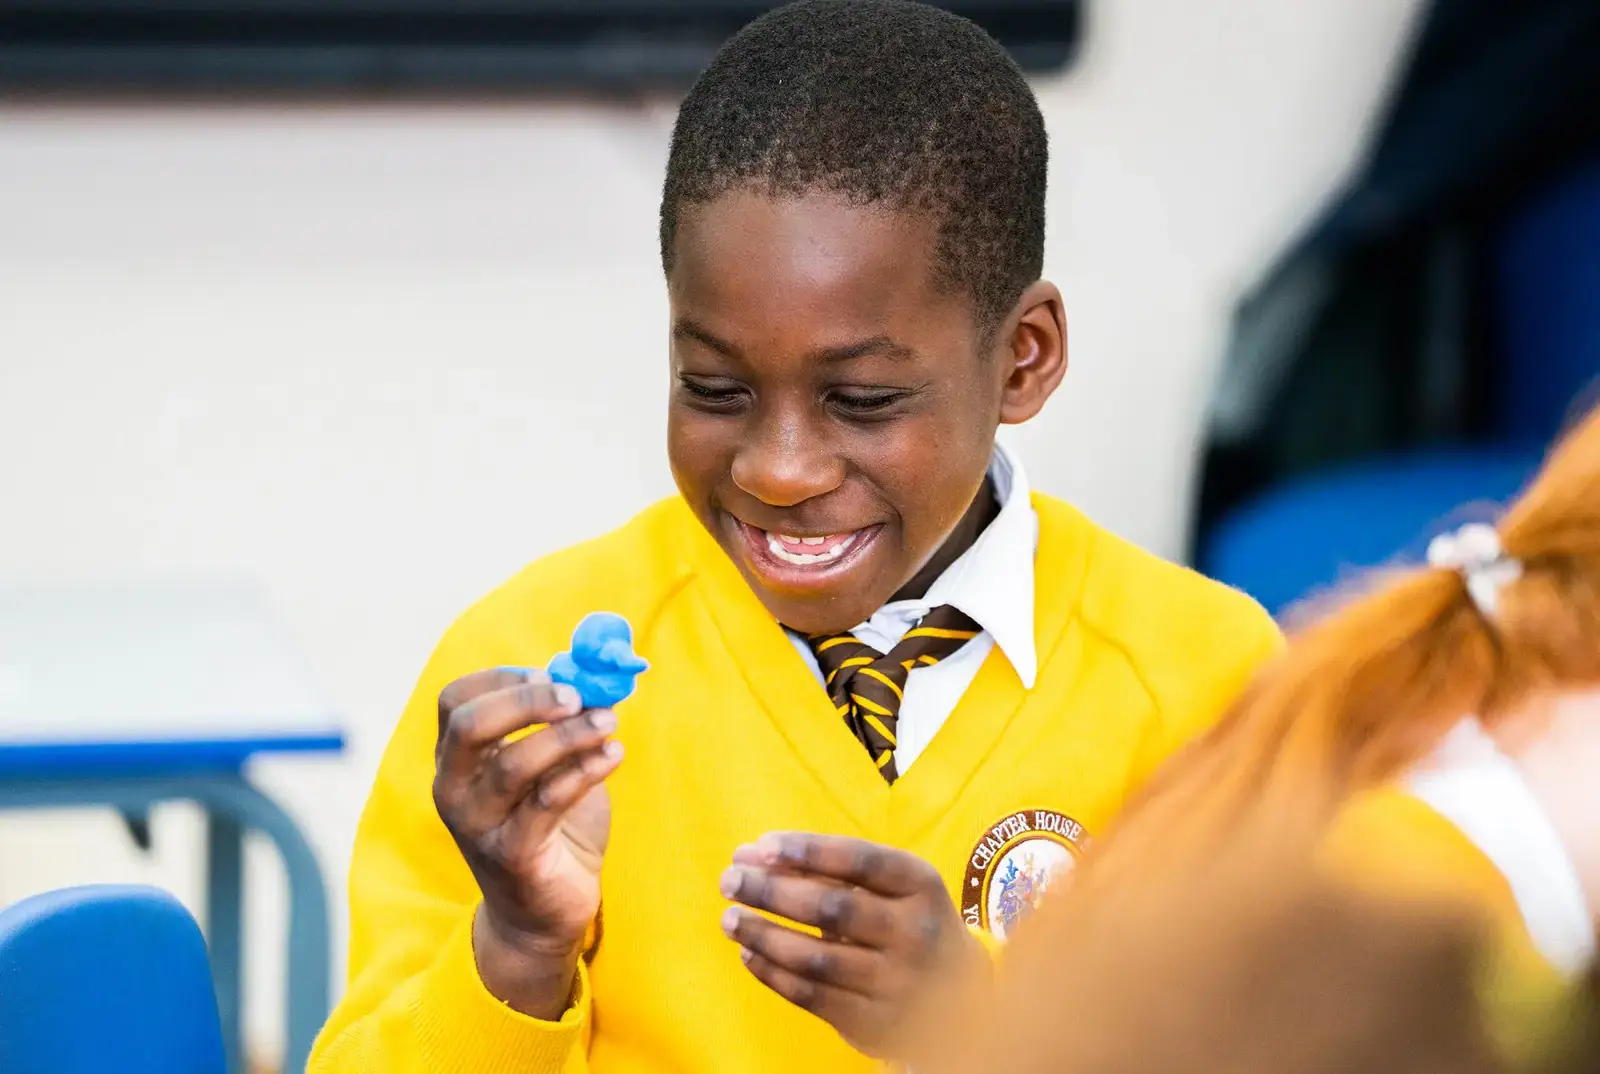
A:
{"x": 985, "y": 506}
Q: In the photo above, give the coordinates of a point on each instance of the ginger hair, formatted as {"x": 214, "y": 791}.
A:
{"x": 1362, "y": 694}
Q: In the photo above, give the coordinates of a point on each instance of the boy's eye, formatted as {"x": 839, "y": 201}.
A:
{"x": 862, "y": 403}
{"x": 713, "y": 394}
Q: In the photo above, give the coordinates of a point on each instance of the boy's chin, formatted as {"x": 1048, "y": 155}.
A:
{"x": 816, "y": 613}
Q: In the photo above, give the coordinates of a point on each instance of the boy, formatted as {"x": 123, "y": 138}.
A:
{"x": 892, "y": 693}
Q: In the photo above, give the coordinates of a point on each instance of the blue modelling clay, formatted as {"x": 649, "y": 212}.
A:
{"x": 601, "y": 665}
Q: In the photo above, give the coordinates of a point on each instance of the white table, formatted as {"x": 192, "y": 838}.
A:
{"x": 131, "y": 695}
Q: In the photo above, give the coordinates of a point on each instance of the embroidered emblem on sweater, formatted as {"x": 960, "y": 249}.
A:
{"x": 1015, "y": 864}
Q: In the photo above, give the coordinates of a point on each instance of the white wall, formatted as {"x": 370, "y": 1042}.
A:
{"x": 349, "y": 351}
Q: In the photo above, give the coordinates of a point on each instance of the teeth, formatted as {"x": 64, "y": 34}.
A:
{"x": 787, "y": 539}
{"x": 777, "y": 542}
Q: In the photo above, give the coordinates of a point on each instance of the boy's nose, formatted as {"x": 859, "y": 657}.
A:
{"x": 784, "y": 464}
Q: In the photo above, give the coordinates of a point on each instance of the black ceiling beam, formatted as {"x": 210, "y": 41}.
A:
{"x": 411, "y": 46}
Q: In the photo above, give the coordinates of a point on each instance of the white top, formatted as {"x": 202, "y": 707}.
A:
{"x": 141, "y": 662}
{"x": 1479, "y": 789}
{"x": 993, "y": 583}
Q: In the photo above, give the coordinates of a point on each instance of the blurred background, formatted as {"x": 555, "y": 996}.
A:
{"x": 320, "y": 301}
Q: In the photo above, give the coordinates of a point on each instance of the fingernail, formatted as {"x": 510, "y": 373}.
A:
{"x": 604, "y": 721}
{"x": 567, "y": 698}
{"x": 612, "y": 750}
{"x": 510, "y": 670}
{"x": 732, "y": 880}
{"x": 768, "y": 850}
{"x": 730, "y": 921}
{"x": 777, "y": 848}
{"x": 748, "y": 854}
{"x": 745, "y": 955}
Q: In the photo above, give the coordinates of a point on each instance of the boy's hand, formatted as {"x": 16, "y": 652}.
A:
{"x": 891, "y": 942}
{"x": 532, "y": 818}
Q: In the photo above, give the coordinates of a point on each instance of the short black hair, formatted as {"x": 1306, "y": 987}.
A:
{"x": 877, "y": 101}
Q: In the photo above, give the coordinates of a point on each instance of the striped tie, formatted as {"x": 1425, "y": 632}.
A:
{"x": 867, "y": 686}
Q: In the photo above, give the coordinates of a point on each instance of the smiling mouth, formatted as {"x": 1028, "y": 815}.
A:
{"x": 805, "y": 551}
{"x": 799, "y": 559}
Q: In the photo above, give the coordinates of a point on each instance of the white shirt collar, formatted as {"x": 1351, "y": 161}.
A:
{"x": 993, "y": 580}
{"x": 1480, "y": 790}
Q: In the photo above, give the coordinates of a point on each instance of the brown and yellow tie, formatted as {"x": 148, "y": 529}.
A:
{"x": 867, "y": 686}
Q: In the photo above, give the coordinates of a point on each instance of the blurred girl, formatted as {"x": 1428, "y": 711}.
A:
{"x": 1439, "y": 737}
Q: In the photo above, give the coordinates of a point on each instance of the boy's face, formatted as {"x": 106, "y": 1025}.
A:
{"x": 831, "y": 418}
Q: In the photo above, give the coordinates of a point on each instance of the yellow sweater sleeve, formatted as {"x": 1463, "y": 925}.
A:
{"x": 1393, "y": 843}
{"x": 1224, "y": 643}
{"x": 1389, "y": 842}
{"x": 414, "y": 1001}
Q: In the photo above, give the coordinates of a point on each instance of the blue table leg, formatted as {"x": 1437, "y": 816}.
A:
{"x": 310, "y": 976}
{"x": 225, "y": 929}
{"x": 228, "y": 799}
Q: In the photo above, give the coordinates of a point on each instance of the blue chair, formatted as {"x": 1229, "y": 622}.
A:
{"x": 1308, "y": 534}
{"x": 1319, "y": 531}
{"x": 106, "y": 979}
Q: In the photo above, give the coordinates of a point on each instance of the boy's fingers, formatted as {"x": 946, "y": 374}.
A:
{"x": 854, "y": 969}
{"x": 468, "y": 687}
{"x": 852, "y": 914}
{"x": 510, "y": 773}
{"x": 561, "y": 788}
{"x": 882, "y": 869}
{"x": 481, "y": 724}
{"x": 845, "y": 1011}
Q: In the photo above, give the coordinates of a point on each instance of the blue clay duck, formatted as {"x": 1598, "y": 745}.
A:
{"x": 601, "y": 665}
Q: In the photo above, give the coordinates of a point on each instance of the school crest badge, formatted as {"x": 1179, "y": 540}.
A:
{"x": 1015, "y": 864}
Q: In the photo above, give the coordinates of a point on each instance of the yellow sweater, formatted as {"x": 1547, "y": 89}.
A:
{"x": 729, "y": 736}
{"x": 1391, "y": 843}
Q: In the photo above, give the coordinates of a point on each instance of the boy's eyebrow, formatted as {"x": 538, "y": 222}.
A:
{"x": 682, "y": 329}
{"x": 844, "y": 352}
{"x": 862, "y": 347}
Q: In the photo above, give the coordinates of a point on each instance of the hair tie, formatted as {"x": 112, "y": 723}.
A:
{"x": 1474, "y": 551}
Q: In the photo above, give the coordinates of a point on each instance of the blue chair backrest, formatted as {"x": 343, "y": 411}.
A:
{"x": 1329, "y": 529}
{"x": 106, "y": 979}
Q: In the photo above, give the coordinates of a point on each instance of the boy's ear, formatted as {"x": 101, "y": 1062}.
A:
{"x": 1035, "y": 352}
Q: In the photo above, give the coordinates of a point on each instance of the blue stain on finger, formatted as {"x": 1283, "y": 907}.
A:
{"x": 601, "y": 665}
